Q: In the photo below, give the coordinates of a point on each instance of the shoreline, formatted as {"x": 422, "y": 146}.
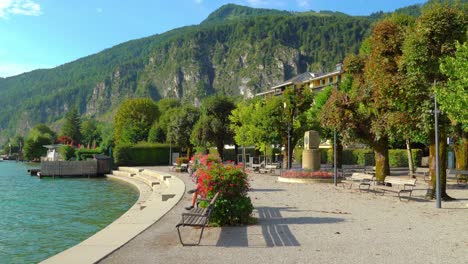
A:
{"x": 150, "y": 207}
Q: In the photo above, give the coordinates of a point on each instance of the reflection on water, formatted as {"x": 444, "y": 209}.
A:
{"x": 41, "y": 217}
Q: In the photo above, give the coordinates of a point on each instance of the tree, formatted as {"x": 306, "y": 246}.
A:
{"x": 453, "y": 100}
{"x": 90, "y": 132}
{"x": 133, "y": 120}
{"x": 265, "y": 121}
{"x": 71, "y": 126}
{"x": 433, "y": 38}
{"x": 181, "y": 125}
{"x": 38, "y": 136}
{"x": 158, "y": 132}
{"x": 213, "y": 125}
{"x": 371, "y": 102}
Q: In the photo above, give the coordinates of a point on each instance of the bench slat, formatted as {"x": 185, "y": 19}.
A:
{"x": 197, "y": 217}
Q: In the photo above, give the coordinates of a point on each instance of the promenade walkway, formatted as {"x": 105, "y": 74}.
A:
{"x": 315, "y": 223}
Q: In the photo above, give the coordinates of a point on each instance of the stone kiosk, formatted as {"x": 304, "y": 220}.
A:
{"x": 311, "y": 152}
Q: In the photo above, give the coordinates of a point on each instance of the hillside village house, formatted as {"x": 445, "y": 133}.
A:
{"x": 314, "y": 81}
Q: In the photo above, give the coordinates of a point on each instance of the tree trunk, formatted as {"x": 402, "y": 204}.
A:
{"x": 382, "y": 165}
{"x": 236, "y": 151}
{"x": 461, "y": 152}
{"x": 410, "y": 157}
{"x": 189, "y": 151}
{"x": 220, "y": 148}
{"x": 431, "y": 192}
{"x": 339, "y": 154}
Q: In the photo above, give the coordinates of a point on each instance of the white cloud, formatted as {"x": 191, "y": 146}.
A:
{"x": 19, "y": 7}
{"x": 12, "y": 69}
{"x": 303, "y": 3}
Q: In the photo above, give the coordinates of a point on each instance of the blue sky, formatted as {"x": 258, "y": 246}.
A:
{"x": 47, "y": 33}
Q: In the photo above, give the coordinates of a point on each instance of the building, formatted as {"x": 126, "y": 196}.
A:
{"x": 314, "y": 81}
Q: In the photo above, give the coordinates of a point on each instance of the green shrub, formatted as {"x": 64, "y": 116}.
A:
{"x": 142, "y": 154}
{"x": 297, "y": 154}
{"x": 84, "y": 153}
{"x": 233, "y": 206}
{"x": 67, "y": 152}
{"x": 365, "y": 157}
{"x": 399, "y": 157}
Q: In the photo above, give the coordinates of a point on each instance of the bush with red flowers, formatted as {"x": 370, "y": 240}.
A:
{"x": 233, "y": 206}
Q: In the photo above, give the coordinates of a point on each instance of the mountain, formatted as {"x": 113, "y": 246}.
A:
{"x": 236, "y": 51}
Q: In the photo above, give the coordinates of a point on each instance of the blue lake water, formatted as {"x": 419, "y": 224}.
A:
{"x": 42, "y": 217}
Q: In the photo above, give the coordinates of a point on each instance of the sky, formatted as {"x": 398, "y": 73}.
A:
{"x": 48, "y": 33}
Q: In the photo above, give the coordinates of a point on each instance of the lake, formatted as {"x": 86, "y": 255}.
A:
{"x": 42, "y": 217}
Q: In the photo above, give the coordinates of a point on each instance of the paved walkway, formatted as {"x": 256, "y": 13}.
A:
{"x": 315, "y": 223}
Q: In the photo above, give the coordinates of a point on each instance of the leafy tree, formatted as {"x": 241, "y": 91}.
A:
{"x": 71, "y": 126}
{"x": 368, "y": 106}
{"x": 432, "y": 39}
{"x": 90, "y": 132}
{"x": 265, "y": 121}
{"x": 133, "y": 120}
{"x": 213, "y": 126}
{"x": 453, "y": 99}
{"x": 38, "y": 136}
{"x": 158, "y": 132}
{"x": 181, "y": 125}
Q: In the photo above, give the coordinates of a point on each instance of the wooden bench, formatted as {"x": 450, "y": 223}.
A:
{"x": 422, "y": 172}
{"x": 199, "y": 217}
{"x": 460, "y": 175}
{"x": 363, "y": 179}
{"x": 395, "y": 184}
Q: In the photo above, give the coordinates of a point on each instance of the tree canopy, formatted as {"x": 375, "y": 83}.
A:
{"x": 133, "y": 120}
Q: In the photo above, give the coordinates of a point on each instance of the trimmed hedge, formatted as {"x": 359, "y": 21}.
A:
{"x": 142, "y": 154}
{"x": 365, "y": 157}
{"x": 84, "y": 153}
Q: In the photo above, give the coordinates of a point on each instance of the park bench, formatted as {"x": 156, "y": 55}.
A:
{"x": 269, "y": 168}
{"x": 197, "y": 217}
{"x": 362, "y": 179}
{"x": 460, "y": 175}
{"x": 396, "y": 184}
{"x": 422, "y": 172}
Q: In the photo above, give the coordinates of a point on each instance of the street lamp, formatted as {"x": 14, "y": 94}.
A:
{"x": 288, "y": 166}
{"x": 335, "y": 169}
{"x": 243, "y": 151}
{"x": 436, "y": 127}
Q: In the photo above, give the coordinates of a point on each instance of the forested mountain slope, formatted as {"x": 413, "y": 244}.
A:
{"x": 236, "y": 51}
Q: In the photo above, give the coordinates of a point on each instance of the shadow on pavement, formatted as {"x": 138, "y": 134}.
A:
{"x": 275, "y": 229}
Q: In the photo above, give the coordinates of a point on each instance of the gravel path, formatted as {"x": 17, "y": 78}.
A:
{"x": 315, "y": 223}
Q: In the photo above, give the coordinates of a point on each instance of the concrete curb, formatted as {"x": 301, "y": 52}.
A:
{"x": 150, "y": 207}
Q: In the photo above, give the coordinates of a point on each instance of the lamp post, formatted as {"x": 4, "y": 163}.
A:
{"x": 170, "y": 152}
{"x": 335, "y": 168}
{"x": 436, "y": 124}
{"x": 288, "y": 165}
{"x": 243, "y": 151}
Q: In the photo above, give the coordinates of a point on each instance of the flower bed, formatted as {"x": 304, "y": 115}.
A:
{"x": 307, "y": 176}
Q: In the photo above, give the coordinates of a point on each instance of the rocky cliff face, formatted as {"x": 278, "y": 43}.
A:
{"x": 233, "y": 58}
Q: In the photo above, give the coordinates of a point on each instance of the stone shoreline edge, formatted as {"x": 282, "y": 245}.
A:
{"x": 151, "y": 206}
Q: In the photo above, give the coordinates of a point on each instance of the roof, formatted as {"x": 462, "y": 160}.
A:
{"x": 55, "y": 146}
{"x": 303, "y": 77}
